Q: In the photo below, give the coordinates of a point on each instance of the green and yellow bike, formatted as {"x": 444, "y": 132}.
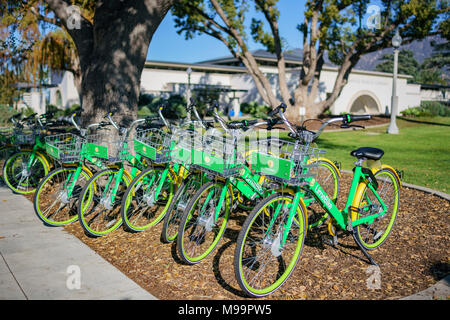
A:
{"x": 226, "y": 159}
{"x": 271, "y": 240}
{"x": 28, "y": 163}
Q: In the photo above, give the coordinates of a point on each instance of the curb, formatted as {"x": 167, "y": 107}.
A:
{"x": 439, "y": 291}
{"x": 443, "y": 195}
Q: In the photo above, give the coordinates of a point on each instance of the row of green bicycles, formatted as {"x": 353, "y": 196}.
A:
{"x": 191, "y": 175}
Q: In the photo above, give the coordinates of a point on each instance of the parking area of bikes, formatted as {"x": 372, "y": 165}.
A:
{"x": 414, "y": 258}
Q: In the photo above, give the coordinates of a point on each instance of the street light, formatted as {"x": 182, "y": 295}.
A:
{"x": 396, "y": 43}
{"x": 188, "y": 91}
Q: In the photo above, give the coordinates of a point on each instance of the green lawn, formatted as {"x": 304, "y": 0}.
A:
{"x": 422, "y": 151}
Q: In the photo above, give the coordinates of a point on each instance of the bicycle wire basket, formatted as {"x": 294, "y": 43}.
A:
{"x": 284, "y": 161}
{"x": 109, "y": 147}
{"x": 183, "y": 140}
{"x": 6, "y": 134}
{"x": 217, "y": 155}
{"x": 24, "y": 137}
{"x": 65, "y": 148}
{"x": 154, "y": 144}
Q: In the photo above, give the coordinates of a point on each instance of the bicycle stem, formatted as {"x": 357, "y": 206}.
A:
{"x": 164, "y": 119}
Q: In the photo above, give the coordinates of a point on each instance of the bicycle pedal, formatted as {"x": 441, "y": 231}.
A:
{"x": 332, "y": 241}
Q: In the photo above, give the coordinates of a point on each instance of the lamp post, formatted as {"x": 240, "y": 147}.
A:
{"x": 396, "y": 43}
{"x": 189, "y": 71}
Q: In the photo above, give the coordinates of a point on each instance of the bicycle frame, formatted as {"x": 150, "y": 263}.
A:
{"x": 344, "y": 218}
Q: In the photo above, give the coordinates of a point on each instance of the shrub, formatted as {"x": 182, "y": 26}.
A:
{"x": 255, "y": 109}
{"x": 428, "y": 109}
{"x": 144, "y": 112}
{"x": 5, "y": 113}
{"x": 175, "y": 107}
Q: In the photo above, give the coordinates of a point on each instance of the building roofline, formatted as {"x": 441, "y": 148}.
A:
{"x": 194, "y": 66}
{"x": 203, "y": 66}
{"x": 433, "y": 86}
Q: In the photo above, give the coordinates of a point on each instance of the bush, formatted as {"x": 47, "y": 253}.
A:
{"x": 5, "y": 113}
{"x": 144, "y": 112}
{"x": 175, "y": 106}
{"x": 255, "y": 109}
{"x": 428, "y": 109}
{"x": 145, "y": 99}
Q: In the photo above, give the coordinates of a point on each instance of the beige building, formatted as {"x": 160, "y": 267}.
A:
{"x": 365, "y": 92}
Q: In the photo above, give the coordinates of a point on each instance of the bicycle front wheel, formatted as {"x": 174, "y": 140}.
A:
{"x": 180, "y": 200}
{"x": 199, "y": 231}
{"x": 20, "y": 175}
{"x": 139, "y": 209}
{"x": 261, "y": 262}
{"x": 372, "y": 235}
{"x": 52, "y": 203}
{"x": 98, "y": 211}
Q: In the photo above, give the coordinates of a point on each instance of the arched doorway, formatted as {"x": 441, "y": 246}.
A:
{"x": 365, "y": 102}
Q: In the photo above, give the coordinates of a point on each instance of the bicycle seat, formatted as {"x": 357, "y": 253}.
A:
{"x": 368, "y": 153}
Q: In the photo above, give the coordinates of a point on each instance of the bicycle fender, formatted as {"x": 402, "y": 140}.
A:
{"x": 40, "y": 154}
{"x": 358, "y": 194}
{"x": 84, "y": 168}
{"x": 385, "y": 166}
{"x": 328, "y": 161}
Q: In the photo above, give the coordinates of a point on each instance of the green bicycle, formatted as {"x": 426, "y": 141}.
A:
{"x": 56, "y": 198}
{"x": 271, "y": 240}
{"x": 193, "y": 178}
{"x": 100, "y": 201}
{"x": 24, "y": 169}
{"x": 206, "y": 215}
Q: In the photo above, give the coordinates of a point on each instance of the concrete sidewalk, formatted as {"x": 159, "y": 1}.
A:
{"x": 40, "y": 262}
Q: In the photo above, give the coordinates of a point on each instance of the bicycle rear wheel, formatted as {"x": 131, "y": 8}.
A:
{"x": 373, "y": 235}
{"x": 328, "y": 178}
{"x": 261, "y": 263}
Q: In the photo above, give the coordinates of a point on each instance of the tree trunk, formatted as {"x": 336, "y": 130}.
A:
{"x": 112, "y": 52}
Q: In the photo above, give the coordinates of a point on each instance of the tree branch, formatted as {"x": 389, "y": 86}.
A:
{"x": 43, "y": 18}
{"x": 82, "y": 37}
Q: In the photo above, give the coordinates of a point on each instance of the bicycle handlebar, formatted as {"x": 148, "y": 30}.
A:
{"x": 354, "y": 118}
{"x": 309, "y": 136}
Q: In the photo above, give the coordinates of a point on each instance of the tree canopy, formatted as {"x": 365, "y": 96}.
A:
{"x": 104, "y": 42}
{"x": 336, "y": 27}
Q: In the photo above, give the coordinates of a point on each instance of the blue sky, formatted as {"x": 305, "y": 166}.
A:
{"x": 167, "y": 45}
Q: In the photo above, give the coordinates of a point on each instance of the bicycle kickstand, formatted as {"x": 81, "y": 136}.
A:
{"x": 364, "y": 251}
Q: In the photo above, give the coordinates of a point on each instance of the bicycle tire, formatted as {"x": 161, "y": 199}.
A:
{"x": 186, "y": 189}
{"x": 262, "y": 214}
{"x": 104, "y": 223}
{"x": 189, "y": 244}
{"x": 147, "y": 217}
{"x": 45, "y": 191}
{"x": 330, "y": 183}
{"x": 363, "y": 198}
{"x": 15, "y": 176}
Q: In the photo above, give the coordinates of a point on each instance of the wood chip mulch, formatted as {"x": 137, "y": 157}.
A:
{"x": 415, "y": 256}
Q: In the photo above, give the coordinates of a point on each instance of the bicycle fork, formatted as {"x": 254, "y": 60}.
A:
{"x": 277, "y": 244}
{"x": 69, "y": 186}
